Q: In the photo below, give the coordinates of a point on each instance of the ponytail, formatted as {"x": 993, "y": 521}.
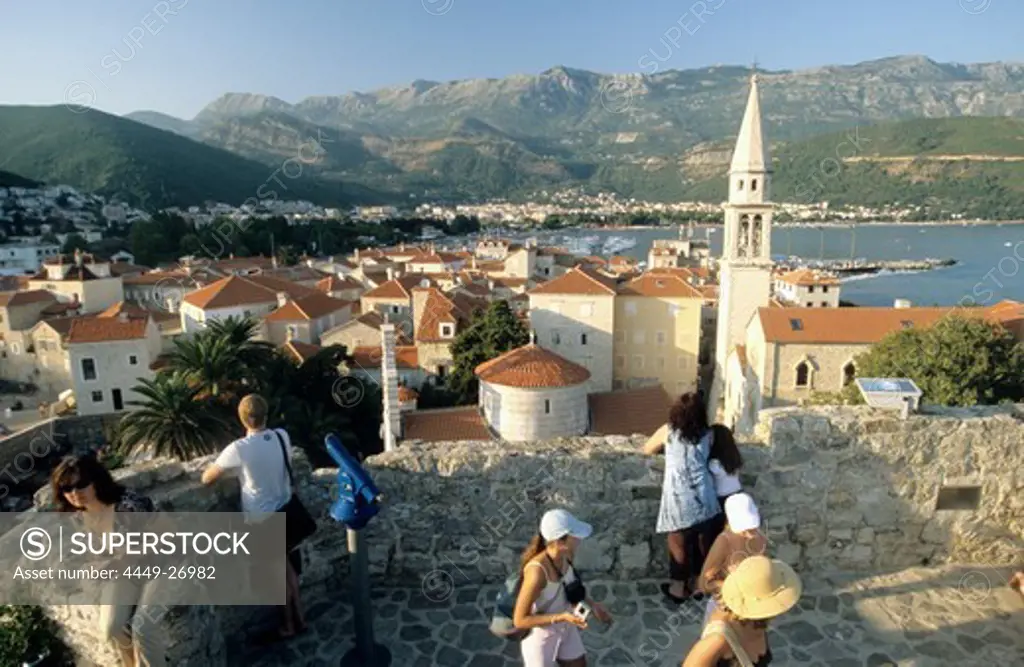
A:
{"x": 535, "y": 546}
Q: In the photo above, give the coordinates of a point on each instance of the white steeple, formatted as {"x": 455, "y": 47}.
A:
{"x": 751, "y": 154}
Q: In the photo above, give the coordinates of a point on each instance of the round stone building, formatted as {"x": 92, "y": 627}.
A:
{"x": 530, "y": 393}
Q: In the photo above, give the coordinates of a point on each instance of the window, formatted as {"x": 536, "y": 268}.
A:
{"x": 583, "y": 339}
{"x": 631, "y": 308}
{"x": 796, "y": 325}
{"x": 97, "y": 397}
{"x": 395, "y": 310}
{"x": 293, "y": 331}
{"x": 739, "y": 184}
{"x": 824, "y": 289}
{"x": 907, "y": 324}
{"x": 803, "y": 373}
{"x": 556, "y": 338}
{"x": 133, "y": 360}
{"x": 661, "y": 363}
{"x": 248, "y": 313}
{"x": 824, "y": 304}
{"x": 638, "y": 362}
{"x": 587, "y": 310}
{"x": 447, "y": 330}
{"x": 810, "y": 289}
{"x": 753, "y": 185}
{"x": 810, "y": 304}
{"x": 660, "y": 337}
{"x": 639, "y": 338}
{"x": 16, "y": 348}
{"x": 620, "y": 361}
{"x": 547, "y": 406}
{"x": 88, "y": 369}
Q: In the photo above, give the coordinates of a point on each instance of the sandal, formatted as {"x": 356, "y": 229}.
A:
{"x": 666, "y": 590}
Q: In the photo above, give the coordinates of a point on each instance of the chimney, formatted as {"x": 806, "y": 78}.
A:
{"x": 79, "y": 260}
{"x": 273, "y": 261}
{"x": 533, "y": 337}
{"x": 357, "y": 255}
{"x": 282, "y": 298}
{"x": 902, "y": 303}
{"x": 391, "y": 273}
{"x": 392, "y": 420}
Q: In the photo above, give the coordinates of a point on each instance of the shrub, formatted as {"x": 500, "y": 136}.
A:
{"x": 26, "y": 633}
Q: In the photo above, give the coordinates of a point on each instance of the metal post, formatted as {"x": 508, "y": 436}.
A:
{"x": 367, "y": 653}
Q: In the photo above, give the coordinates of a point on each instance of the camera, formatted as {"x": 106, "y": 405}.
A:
{"x": 582, "y": 610}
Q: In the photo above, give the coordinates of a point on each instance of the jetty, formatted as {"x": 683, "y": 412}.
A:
{"x": 852, "y": 267}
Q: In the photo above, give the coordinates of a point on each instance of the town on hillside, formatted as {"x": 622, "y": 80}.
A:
{"x": 606, "y": 341}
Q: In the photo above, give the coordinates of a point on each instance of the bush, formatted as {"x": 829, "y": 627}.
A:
{"x": 26, "y": 633}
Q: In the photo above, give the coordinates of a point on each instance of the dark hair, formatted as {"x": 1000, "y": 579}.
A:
{"x": 688, "y": 417}
{"x": 723, "y": 448}
{"x": 74, "y": 470}
{"x": 535, "y": 546}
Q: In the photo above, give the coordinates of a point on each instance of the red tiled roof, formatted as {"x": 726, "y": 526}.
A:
{"x": 407, "y": 394}
{"x": 450, "y": 424}
{"x": 533, "y": 367}
{"x": 849, "y": 325}
{"x": 368, "y": 357}
{"x": 239, "y": 291}
{"x": 399, "y": 288}
{"x": 15, "y": 299}
{"x": 132, "y": 310}
{"x": 300, "y": 351}
{"x": 306, "y": 308}
{"x": 577, "y": 280}
{"x": 336, "y": 284}
{"x": 643, "y": 410}
{"x": 106, "y": 329}
{"x": 805, "y": 277}
{"x": 654, "y": 285}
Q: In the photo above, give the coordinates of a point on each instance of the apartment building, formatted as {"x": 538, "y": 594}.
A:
{"x": 237, "y": 296}
{"x": 574, "y": 316}
{"x": 22, "y": 258}
{"x": 807, "y": 288}
{"x": 306, "y": 318}
{"x": 81, "y": 278}
{"x": 394, "y": 298}
{"x": 439, "y": 318}
{"x": 363, "y": 331}
{"x": 657, "y": 334}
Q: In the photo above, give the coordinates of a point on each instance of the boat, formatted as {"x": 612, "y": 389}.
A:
{"x": 1008, "y": 244}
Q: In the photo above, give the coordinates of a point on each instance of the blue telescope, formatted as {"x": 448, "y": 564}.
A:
{"x": 358, "y": 498}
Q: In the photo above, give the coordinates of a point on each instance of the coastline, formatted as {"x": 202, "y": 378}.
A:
{"x": 799, "y": 225}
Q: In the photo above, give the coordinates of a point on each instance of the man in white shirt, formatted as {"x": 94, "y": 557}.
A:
{"x": 259, "y": 457}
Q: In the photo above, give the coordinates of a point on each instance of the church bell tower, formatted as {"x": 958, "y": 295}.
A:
{"x": 745, "y": 267}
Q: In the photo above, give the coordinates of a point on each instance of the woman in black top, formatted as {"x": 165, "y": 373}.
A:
{"x": 82, "y": 485}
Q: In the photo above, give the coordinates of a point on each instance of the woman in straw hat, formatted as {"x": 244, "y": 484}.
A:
{"x": 736, "y": 634}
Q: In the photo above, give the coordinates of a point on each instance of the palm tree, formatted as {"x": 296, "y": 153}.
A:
{"x": 212, "y": 364}
{"x": 172, "y": 420}
{"x": 240, "y": 334}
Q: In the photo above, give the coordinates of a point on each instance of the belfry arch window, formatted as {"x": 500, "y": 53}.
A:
{"x": 753, "y": 185}
{"x": 755, "y": 237}
{"x": 742, "y": 243}
{"x": 803, "y": 374}
{"x": 739, "y": 185}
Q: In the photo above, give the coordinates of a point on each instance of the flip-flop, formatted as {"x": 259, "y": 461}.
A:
{"x": 667, "y": 592}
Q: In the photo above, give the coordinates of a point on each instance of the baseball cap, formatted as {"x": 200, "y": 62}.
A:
{"x": 741, "y": 512}
{"x": 556, "y": 524}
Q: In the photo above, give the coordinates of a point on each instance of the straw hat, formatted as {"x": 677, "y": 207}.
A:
{"x": 761, "y": 588}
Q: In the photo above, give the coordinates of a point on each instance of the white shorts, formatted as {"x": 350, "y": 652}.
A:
{"x": 544, "y": 646}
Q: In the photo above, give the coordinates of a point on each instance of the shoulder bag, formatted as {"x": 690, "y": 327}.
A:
{"x": 299, "y": 524}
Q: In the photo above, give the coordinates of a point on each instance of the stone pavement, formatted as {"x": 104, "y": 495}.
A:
{"x": 912, "y": 618}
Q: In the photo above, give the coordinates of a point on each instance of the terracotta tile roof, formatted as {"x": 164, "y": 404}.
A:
{"x": 577, "y": 281}
{"x": 660, "y": 285}
{"x": 710, "y": 292}
{"x": 805, "y": 277}
{"x": 593, "y": 259}
{"x": 162, "y": 361}
{"x": 106, "y": 329}
{"x": 372, "y": 319}
{"x": 240, "y": 291}
{"x": 300, "y": 351}
{"x": 685, "y": 272}
{"x": 69, "y": 258}
{"x": 237, "y": 263}
{"x": 196, "y": 279}
{"x": 61, "y": 325}
{"x": 432, "y": 258}
{"x": 399, "y": 288}
{"x": 306, "y": 308}
{"x": 848, "y": 325}
{"x": 407, "y": 394}
{"x": 449, "y": 424}
{"x": 489, "y": 265}
{"x": 368, "y": 357}
{"x": 476, "y": 289}
{"x": 622, "y": 260}
{"x": 129, "y": 308}
{"x": 59, "y": 308}
{"x": 440, "y": 309}
{"x": 299, "y": 273}
{"x": 126, "y": 269}
{"x": 1006, "y": 310}
{"x": 643, "y": 410}
{"x": 531, "y": 366}
{"x": 511, "y": 283}
{"x": 15, "y": 299}
{"x": 336, "y": 284}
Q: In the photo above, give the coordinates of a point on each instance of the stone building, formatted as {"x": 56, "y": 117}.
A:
{"x": 530, "y": 393}
{"x": 811, "y": 289}
{"x": 574, "y": 316}
{"x": 81, "y": 278}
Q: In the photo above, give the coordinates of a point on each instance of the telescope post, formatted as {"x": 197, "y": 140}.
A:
{"x": 366, "y": 653}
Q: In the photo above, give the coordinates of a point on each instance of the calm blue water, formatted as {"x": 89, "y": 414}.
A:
{"x": 988, "y": 269}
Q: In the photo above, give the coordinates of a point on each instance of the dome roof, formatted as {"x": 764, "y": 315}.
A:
{"x": 532, "y": 367}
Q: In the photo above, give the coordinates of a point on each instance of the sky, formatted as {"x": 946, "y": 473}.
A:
{"x": 176, "y": 56}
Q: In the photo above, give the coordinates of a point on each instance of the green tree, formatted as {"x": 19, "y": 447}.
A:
{"x": 491, "y": 333}
{"x": 172, "y": 419}
{"x": 26, "y": 633}
{"x": 959, "y": 361}
{"x": 74, "y": 242}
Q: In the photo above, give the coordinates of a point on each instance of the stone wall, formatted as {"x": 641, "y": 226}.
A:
{"x": 839, "y": 488}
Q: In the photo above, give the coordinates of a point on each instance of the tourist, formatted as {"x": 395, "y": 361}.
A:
{"x": 550, "y": 592}
{"x": 82, "y": 485}
{"x": 737, "y": 633}
{"x": 690, "y": 511}
{"x": 725, "y": 463}
{"x": 741, "y": 538}
{"x": 260, "y": 456}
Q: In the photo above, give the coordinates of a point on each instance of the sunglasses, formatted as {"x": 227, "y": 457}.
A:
{"x": 75, "y": 486}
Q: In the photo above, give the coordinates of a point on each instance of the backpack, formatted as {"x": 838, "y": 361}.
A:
{"x": 502, "y": 624}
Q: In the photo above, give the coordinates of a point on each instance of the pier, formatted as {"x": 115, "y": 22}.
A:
{"x": 851, "y": 267}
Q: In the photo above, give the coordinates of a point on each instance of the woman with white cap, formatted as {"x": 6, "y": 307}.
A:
{"x": 741, "y": 538}
{"x": 550, "y": 592}
{"x": 737, "y": 635}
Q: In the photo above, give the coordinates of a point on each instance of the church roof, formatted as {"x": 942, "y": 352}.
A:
{"x": 532, "y": 367}
{"x": 751, "y": 152}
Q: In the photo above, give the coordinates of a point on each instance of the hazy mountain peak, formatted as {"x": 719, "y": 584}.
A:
{"x": 241, "y": 104}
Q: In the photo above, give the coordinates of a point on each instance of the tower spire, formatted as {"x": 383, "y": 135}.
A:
{"x": 751, "y": 153}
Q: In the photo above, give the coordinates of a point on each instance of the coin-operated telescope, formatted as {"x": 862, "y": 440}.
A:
{"x": 358, "y": 497}
{"x": 358, "y": 501}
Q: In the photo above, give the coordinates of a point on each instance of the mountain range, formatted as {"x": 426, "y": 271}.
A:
{"x": 663, "y": 136}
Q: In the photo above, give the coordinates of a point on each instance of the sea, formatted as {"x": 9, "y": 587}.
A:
{"x": 990, "y": 256}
